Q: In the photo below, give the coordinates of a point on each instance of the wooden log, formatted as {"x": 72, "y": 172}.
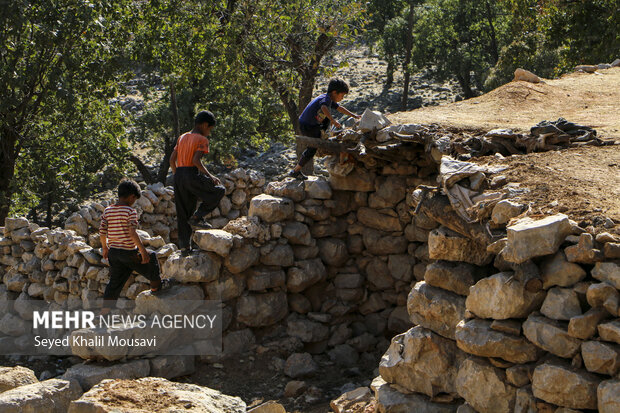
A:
{"x": 326, "y": 145}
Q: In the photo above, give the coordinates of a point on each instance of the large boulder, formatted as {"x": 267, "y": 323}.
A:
{"x": 390, "y": 400}
{"x": 435, "y": 309}
{"x": 501, "y": 296}
{"x": 560, "y": 384}
{"x": 457, "y": 277}
{"x": 242, "y": 258}
{"x": 551, "y": 336}
{"x": 422, "y": 362}
{"x": 11, "y": 377}
{"x": 50, "y": 396}
{"x": 258, "y": 310}
{"x": 90, "y": 374}
{"x": 445, "y": 244}
{"x": 477, "y": 337}
{"x": 151, "y": 394}
{"x": 214, "y": 240}
{"x": 317, "y": 188}
{"x": 204, "y": 267}
{"x": 528, "y": 238}
{"x": 484, "y": 387}
{"x": 290, "y": 188}
{"x": 556, "y": 270}
{"x": 608, "y": 393}
{"x": 272, "y": 208}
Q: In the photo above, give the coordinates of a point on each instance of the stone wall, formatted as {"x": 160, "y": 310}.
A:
{"x": 500, "y": 313}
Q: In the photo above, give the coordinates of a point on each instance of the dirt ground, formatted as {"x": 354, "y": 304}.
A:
{"x": 589, "y": 99}
{"x": 583, "y": 183}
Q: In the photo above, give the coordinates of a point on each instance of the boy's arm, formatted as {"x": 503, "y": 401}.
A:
{"x": 173, "y": 161}
{"x": 334, "y": 122}
{"x": 197, "y": 162}
{"x": 346, "y": 111}
{"x": 103, "y": 236}
{"x": 136, "y": 239}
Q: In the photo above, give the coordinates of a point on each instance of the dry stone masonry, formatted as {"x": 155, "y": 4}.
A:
{"x": 490, "y": 311}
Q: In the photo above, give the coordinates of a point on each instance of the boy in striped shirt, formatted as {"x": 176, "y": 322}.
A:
{"x": 122, "y": 246}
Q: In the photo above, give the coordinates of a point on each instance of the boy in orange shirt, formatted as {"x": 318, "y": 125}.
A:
{"x": 192, "y": 181}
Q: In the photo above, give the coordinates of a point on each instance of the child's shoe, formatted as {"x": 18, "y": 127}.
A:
{"x": 198, "y": 223}
{"x": 166, "y": 284}
{"x": 298, "y": 175}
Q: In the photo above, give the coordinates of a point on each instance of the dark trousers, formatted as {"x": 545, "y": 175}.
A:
{"x": 313, "y": 132}
{"x": 190, "y": 186}
{"x": 122, "y": 263}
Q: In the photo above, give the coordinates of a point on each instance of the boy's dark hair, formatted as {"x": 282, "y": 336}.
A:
{"x": 204, "y": 116}
{"x": 128, "y": 187}
{"x": 338, "y": 86}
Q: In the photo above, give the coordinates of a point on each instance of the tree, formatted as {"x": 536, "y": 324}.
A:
{"x": 284, "y": 42}
{"x": 460, "y": 37}
{"x": 53, "y": 52}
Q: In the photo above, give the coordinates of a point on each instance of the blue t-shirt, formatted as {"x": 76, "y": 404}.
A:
{"x": 313, "y": 114}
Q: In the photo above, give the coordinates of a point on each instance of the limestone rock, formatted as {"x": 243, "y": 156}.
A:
{"x": 584, "y": 252}
{"x": 551, "y": 336}
{"x": 304, "y": 274}
{"x": 317, "y": 188}
{"x": 258, "y": 310}
{"x": 172, "y": 366}
{"x": 352, "y": 401}
{"x": 214, "y": 240}
{"x": 290, "y": 188}
{"x": 300, "y": 365}
{"x": 501, "y": 297}
{"x": 585, "y": 326}
{"x": 559, "y": 384}
{"x": 603, "y": 295}
{"x": 421, "y": 361}
{"x": 138, "y": 395}
{"x": 88, "y": 375}
{"x": 359, "y": 180}
{"x": 306, "y": 330}
{"x": 51, "y": 396}
{"x": 435, "y": 309}
{"x": 494, "y": 396}
{"x": 166, "y": 301}
{"x": 451, "y": 276}
{"x": 445, "y": 244}
{"x": 558, "y": 271}
{"x": 226, "y": 287}
{"x": 612, "y": 250}
{"x": 269, "y": 407}
{"x": 271, "y": 208}
{"x": 277, "y": 255}
{"x": 12, "y": 224}
{"x": 505, "y": 210}
{"x": 240, "y": 259}
{"x": 390, "y": 400}
{"x": 476, "y": 337}
{"x": 379, "y": 243}
{"x": 374, "y": 219}
{"x": 194, "y": 268}
{"x": 610, "y": 331}
{"x": 561, "y": 304}
{"x": 608, "y": 272}
{"x": 528, "y": 238}
{"x": 262, "y": 278}
{"x": 608, "y": 393}
{"x": 333, "y": 251}
{"x": 297, "y": 233}
{"x": 11, "y": 377}
{"x": 600, "y": 357}
{"x": 526, "y": 76}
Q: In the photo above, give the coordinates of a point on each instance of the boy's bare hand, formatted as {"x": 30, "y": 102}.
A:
{"x": 145, "y": 256}
{"x": 105, "y": 251}
{"x": 337, "y": 124}
{"x": 216, "y": 180}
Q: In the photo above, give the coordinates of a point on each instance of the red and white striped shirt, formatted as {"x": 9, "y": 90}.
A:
{"x": 115, "y": 223}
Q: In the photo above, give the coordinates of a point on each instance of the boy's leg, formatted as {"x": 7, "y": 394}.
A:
{"x": 307, "y": 156}
{"x": 209, "y": 193}
{"x": 119, "y": 274}
{"x": 150, "y": 270}
{"x": 185, "y": 203}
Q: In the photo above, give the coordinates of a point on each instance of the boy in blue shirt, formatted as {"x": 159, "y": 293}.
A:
{"x": 317, "y": 117}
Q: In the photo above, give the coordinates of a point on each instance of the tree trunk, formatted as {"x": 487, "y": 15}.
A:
{"x": 8, "y": 155}
{"x": 146, "y": 174}
{"x": 464, "y": 82}
{"x": 407, "y": 62}
{"x": 389, "y": 72}
{"x": 494, "y": 49}
{"x": 169, "y": 143}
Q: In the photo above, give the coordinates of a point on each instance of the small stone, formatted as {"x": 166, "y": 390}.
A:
{"x": 295, "y": 388}
{"x": 561, "y": 304}
{"x": 585, "y": 326}
{"x": 608, "y": 393}
{"x": 600, "y": 357}
{"x": 551, "y": 336}
{"x": 300, "y": 365}
{"x": 559, "y": 384}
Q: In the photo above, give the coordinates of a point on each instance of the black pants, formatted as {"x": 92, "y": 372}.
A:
{"x": 313, "y": 132}
{"x": 122, "y": 263}
{"x": 190, "y": 186}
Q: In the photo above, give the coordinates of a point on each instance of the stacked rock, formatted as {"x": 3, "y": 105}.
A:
{"x": 488, "y": 339}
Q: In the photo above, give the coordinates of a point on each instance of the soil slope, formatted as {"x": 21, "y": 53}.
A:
{"x": 589, "y": 99}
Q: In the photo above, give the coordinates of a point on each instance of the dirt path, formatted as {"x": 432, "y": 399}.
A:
{"x": 589, "y": 99}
